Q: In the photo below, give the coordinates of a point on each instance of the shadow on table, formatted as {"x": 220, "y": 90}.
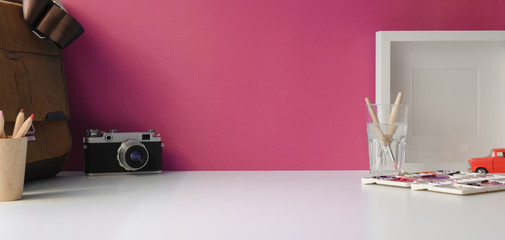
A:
{"x": 60, "y": 187}
{"x": 58, "y": 193}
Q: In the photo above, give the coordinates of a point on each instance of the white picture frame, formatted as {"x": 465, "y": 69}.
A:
{"x": 451, "y": 81}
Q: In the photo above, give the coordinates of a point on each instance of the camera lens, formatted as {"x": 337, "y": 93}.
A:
{"x": 136, "y": 156}
{"x": 132, "y": 155}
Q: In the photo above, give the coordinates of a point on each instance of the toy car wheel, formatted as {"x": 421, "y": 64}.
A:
{"x": 481, "y": 170}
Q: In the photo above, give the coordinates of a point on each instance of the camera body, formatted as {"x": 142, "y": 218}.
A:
{"x": 125, "y": 152}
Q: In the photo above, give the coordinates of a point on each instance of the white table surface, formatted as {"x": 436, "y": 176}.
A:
{"x": 244, "y": 205}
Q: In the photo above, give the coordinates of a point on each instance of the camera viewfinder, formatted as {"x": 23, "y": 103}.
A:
{"x": 146, "y": 136}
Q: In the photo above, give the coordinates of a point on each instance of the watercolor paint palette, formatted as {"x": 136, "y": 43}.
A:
{"x": 453, "y": 182}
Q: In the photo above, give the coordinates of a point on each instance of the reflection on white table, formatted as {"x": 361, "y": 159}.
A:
{"x": 243, "y": 205}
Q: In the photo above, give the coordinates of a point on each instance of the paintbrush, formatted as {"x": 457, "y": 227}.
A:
{"x": 384, "y": 140}
{"x": 392, "y": 118}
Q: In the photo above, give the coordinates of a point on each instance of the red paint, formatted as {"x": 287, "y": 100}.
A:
{"x": 435, "y": 176}
{"x": 243, "y": 85}
{"x": 404, "y": 179}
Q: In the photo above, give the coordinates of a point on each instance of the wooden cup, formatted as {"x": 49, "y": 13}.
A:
{"x": 12, "y": 168}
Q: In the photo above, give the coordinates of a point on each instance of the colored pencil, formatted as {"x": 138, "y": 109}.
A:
{"x": 24, "y": 128}
{"x": 19, "y": 121}
{"x": 2, "y": 122}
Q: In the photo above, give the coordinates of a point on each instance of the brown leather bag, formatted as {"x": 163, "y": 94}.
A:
{"x": 32, "y": 78}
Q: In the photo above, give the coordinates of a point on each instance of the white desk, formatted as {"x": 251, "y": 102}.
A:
{"x": 259, "y": 205}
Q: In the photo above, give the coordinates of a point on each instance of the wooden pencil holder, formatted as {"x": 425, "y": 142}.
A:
{"x": 12, "y": 168}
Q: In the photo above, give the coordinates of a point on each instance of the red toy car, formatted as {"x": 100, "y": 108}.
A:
{"x": 493, "y": 163}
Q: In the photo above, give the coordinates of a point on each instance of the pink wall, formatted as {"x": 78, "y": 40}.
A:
{"x": 244, "y": 84}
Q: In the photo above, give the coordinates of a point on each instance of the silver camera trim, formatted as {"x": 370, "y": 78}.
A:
{"x": 121, "y": 154}
{"x": 117, "y": 137}
{"x": 121, "y": 173}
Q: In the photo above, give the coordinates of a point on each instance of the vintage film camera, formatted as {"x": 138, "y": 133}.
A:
{"x": 125, "y": 152}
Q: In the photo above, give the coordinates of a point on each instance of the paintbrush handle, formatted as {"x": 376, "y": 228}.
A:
{"x": 394, "y": 110}
{"x": 392, "y": 118}
{"x": 372, "y": 112}
{"x": 383, "y": 138}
